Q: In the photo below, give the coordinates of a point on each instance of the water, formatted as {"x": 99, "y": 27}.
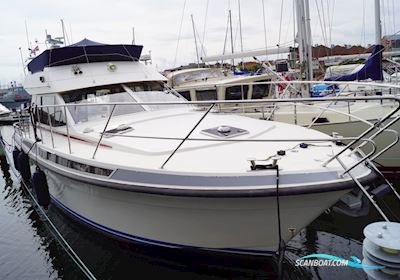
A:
{"x": 28, "y": 250}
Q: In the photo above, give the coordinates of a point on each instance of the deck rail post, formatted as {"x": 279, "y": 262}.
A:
{"x": 66, "y": 126}
{"x": 104, "y": 130}
{"x": 50, "y": 125}
{"x": 188, "y": 135}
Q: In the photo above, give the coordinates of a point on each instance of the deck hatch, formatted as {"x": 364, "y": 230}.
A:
{"x": 224, "y": 131}
{"x": 118, "y": 130}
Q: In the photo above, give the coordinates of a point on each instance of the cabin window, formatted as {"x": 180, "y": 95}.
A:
{"x": 260, "y": 91}
{"x": 236, "y": 92}
{"x": 54, "y": 114}
{"x": 146, "y": 86}
{"x": 202, "y": 95}
{"x": 94, "y": 98}
{"x": 197, "y": 75}
{"x": 186, "y": 95}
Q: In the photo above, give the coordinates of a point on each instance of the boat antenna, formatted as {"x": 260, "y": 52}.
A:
{"x": 70, "y": 32}
{"x": 27, "y": 37}
{"x": 195, "y": 42}
{"x": 22, "y": 61}
{"x": 45, "y": 42}
{"x": 133, "y": 36}
{"x": 63, "y": 31}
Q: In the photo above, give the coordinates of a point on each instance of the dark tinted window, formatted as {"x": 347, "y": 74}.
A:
{"x": 260, "y": 91}
{"x": 186, "y": 95}
{"x": 236, "y": 92}
{"x": 202, "y": 95}
{"x": 53, "y": 114}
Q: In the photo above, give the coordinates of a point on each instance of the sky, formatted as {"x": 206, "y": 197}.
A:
{"x": 165, "y": 29}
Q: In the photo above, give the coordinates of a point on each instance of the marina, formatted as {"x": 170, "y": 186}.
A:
{"x": 277, "y": 163}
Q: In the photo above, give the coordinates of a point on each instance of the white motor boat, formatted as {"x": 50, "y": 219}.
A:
{"x": 133, "y": 160}
{"x": 7, "y": 116}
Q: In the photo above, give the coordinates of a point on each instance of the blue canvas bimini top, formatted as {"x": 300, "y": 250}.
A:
{"x": 85, "y": 51}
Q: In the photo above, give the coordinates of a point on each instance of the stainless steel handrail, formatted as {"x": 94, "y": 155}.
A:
{"x": 320, "y": 114}
{"x": 66, "y": 126}
{"x": 397, "y": 138}
{"x": 263, "y": 101}
{"x": 51, "y": 127}
{"x": 252, "y": 101}
{"x": 188, "y": 135}
{"x": 104, "y": 130}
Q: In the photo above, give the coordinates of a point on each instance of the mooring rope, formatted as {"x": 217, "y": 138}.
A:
{"x": 53, "y": 229}
{"x": 68, "y": 249}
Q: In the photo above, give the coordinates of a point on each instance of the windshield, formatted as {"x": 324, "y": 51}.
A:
{"x": 130, "y": 92}
{"x": 197, "y": 75}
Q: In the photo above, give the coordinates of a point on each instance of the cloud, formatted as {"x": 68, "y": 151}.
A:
{"x": 157, "y": 23}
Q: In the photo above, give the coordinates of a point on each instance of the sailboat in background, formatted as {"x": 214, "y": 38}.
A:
{"x": 340, "y": 118}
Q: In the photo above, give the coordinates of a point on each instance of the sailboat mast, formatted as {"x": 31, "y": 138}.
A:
{"x": 304, "y": 37}
{"x": 230, "y": 24}
{"x": 378, "y": 26}
{"x": 240, "y": 31}
{"x": 308, "y": 40}
{"x": 195, "y": 42}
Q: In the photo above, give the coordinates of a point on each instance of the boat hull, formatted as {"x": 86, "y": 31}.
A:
{"x": 247, "y": 225}
{"x": 241, "y": 224}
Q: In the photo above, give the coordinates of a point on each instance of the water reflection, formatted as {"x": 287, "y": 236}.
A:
{"x": 32, "y": 249}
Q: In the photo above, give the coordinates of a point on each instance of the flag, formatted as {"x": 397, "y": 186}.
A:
{"x": 33, "y": 51}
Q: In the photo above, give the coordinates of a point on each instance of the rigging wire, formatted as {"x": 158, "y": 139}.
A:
{"x": 388, "y": 23}
{"x": 321, "y": 23}
{"x": 226, "y": 38}
{"x": 389, "y": 17}
{"x": 330, "y": 21}
{"x": 202, "y": 50}
{"x": 383, "y": 16}
{"x": 280, "y": 29}
{"x": 393, "y": 14}
{"x": 265, "y": 30}
{"x": 289, "y": 25}
{"x": 363, "y": 25}
{"x": 236, "y": 35}
{"x": 294, "y": 22}
{"x": 323, "y": 20}
{"x": 205, "y": 24}
{"x": 180, "y": 32}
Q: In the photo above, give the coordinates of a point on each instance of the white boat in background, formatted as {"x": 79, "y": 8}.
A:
{"x": 128, "y": 157}
{"x": 7, "y": 116}
{"x": 4, "y": 110}
{"x": 217, "y": 84}
{"x": 345, "y": 118}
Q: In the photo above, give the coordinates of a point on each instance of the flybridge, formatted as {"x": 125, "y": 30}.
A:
{"x": 85, "y": 51}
